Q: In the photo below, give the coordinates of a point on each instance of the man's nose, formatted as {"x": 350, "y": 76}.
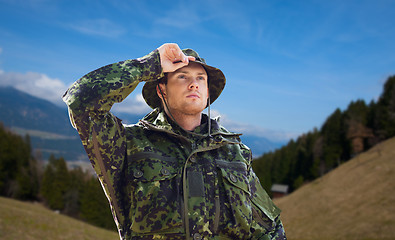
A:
{"x": 194, "y": 84}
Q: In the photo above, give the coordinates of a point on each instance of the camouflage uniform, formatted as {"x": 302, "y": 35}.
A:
{"x": 161, "y": 181}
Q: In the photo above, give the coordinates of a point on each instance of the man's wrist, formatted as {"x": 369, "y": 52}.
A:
{"x": 152, "y": 69}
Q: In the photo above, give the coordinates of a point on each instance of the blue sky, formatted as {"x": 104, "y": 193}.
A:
{"x": 289, "y": 64}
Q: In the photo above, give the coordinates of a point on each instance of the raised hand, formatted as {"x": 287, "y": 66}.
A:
{"x": 172, "y": 58}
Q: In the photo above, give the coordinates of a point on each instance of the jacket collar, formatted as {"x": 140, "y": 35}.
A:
{"x": 158, "y": 120}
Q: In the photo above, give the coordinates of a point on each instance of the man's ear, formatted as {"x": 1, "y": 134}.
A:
{"x": 161, "y": 90}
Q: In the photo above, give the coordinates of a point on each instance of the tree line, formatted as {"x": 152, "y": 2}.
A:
{"x": 69, "y": 191}
{"x": 343, "y": 135}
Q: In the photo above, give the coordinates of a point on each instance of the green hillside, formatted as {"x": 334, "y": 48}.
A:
{"x": 354, "y": 201}
{"x": 29, "y": 221}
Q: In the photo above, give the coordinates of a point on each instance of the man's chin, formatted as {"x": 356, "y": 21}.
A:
{"x": 193, "y": 109}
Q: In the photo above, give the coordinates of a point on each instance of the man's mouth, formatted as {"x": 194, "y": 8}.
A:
{"x": 193, "y": 95}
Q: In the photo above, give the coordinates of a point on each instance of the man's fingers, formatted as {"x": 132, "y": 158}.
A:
{"x": 190, "y": 58}
{"x": 173, "y": 53}
{"x": 172, "y": 57}
{"x": 178, "y": 55}
{"x": 186, "y": 59}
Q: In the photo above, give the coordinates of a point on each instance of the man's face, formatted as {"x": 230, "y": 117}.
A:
{"x": 186, "y": 90}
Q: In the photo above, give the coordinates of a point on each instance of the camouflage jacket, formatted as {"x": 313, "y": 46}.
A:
{"x": 163, "y": 182}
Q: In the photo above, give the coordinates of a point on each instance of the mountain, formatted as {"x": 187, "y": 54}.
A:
{"x": 50, "y": 130}
{"x": 19, "y": 109}
{"x": 46, "y": 124}
{"x": 260, "y": 145}
{"x": 353, "y": 201}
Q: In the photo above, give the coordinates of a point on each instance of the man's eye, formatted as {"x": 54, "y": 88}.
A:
{"x": 201, "y": 78}
{"x": 181, "y": 76}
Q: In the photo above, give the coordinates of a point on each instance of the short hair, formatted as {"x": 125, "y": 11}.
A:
{"x": 162, "y": 81}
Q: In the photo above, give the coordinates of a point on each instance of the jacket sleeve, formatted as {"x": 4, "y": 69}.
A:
{"x": 100, "y": 89}
{"x": 266, "y": 213}
{"x": 89, "y": 100}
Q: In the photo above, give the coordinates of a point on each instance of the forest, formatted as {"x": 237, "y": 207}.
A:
{"x": 78, "y": 194}
{"x": 68, "y": 191}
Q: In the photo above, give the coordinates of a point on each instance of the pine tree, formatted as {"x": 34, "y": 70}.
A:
{"x": 73, "y": 195}
{"x": 94, "y": 205}
{"x": 18, "y": 172}
{"x": 55, "y": 183}
{"x": 333, "y": 133}
{"x": 384, "y": 120}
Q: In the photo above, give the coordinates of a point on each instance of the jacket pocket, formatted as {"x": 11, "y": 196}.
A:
{"x": 156, "y": 194}
{"x": 238, "y": 197}
{"x": 264, "y": 210}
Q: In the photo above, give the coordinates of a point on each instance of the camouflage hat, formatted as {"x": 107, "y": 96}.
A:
{"x": 215, "y": 76}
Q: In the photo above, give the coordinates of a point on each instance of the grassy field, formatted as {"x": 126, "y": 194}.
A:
{"x": 30, "y": 221}
{"x": 354, "y": 201}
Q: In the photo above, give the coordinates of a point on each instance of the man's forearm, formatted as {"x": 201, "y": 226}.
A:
{"x": 101, "y": 88}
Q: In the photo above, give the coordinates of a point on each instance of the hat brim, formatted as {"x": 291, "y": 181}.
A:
{"x": 216, "y": 80}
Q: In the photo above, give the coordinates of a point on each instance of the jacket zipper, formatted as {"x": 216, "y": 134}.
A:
{"x": 185, "y": 195}
{"x": 184, "y": 179}
{"x": 217, "y": 213}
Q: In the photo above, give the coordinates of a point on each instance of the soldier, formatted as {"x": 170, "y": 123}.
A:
{"x": 177, "y": 173}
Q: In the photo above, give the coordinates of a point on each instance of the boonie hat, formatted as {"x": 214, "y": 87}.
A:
{"x": 216, "y": 80}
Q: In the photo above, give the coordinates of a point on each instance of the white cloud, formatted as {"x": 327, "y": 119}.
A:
{"x": 52, "y": 89}
{"x": 35, "y": 84}
{"x": 99, "y": 27}
{"x": 248, "y": 129}
{"x": 186, "y": 17}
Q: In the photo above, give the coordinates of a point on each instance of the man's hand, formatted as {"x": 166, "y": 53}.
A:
{"x": 172, "y": 58}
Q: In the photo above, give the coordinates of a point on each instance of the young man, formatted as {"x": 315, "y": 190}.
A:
{"x": 177, "y": 174}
